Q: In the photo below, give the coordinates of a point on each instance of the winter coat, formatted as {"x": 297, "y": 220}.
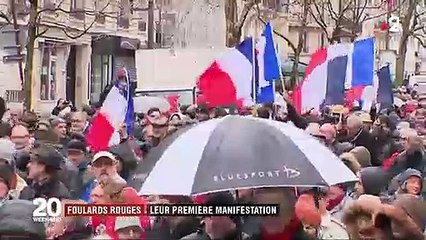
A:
{"x": 337, "y": 211}
{"x": 16, "y": 219}
{"x": 341, "y": 147}
{"x": 87, "y": 181}
{"x": 294, "y": 117}
{"x": 252, "y": 227}
{"x": 201, "y": 235}
{"x": 20, "y": 185}
{"x": 161, "y": 229}
{"x": 407, "y": 159}
{"x": 364, "y": 138}
{"x": 50, "y": 188}
{"x": 70, "y": 176}
{"x": 127, "y": 157}
{"x": 332, "y": 229}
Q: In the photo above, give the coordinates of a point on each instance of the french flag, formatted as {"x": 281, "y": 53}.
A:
{"x": 334, "y": 72}
{"x": 385, "y": 95}
{"x": 267, "y": 66}
{"x": 116, "y": 110}
{"x": 228, "y": 81}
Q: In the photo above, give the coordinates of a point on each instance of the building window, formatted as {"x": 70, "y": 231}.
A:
{"x": 142, "y": 26}
{"x": 77, "y": 9}
{"x": 102, "y": 69}
{"x": 48, "y": 72}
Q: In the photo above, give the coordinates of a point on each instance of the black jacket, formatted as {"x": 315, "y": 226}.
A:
{"x": 51, "y": 188}
{"x": 161, "y": 230}
{"x": 365, "y": 139}
{"x": 201, "y": 235}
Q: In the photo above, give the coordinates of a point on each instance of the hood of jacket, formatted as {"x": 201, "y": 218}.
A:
{"x": 374, "y": 180}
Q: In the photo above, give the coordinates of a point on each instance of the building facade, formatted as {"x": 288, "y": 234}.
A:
{"x": 81, "y": 45}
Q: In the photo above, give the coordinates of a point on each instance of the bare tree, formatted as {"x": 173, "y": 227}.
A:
{"x": 235, "y": 20}
{"x": 412, "y": 26}
{"x": 300, "y": 15}
{"x": 345, "y": 17}
{"x": 36, "y": 28}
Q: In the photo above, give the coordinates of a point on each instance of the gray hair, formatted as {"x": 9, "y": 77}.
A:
{"x": 354, "y": 121}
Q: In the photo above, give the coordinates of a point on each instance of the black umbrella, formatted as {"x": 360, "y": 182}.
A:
{"x": 242, "y": 152}
{"x": 149, "y": 161}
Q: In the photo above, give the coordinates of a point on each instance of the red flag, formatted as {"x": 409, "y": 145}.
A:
{"x": 173, "y": 102}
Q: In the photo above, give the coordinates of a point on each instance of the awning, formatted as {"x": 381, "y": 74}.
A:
{"x": 129, "y": 43}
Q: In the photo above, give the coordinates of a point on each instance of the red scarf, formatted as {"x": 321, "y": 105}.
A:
{"x": 288, "y": 234}
{"x": 334, "y": 202}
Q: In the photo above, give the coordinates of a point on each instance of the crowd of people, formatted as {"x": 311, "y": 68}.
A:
{"x": 50, "y": 158}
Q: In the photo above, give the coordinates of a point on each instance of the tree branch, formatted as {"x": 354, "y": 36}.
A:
{"x": 421, "y": 41}
{"x": 82, "y": 32}
{"x": 319, "y": 20}
{"x": 86, "y": 29}
{"x": 292, "y": 46}
{"x": 85, "y": 11}
{"x": 5, "y": 17}
{"x": 386, "y": 12}
{"x": 246, "y": 10}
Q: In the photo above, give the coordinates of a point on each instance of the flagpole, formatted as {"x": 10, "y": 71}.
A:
{"x": 254, "y": 70}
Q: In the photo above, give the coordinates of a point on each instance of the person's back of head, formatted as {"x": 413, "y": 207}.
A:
{"x": 5, "y": 130}
{"x": 354, "y": 123}
{"x": 263, "y": 112}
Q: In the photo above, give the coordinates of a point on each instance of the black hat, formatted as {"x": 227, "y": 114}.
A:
{"x": 48, "y": 155}
{"x": 77, "y": 145}
{"x": 6, "y": 174}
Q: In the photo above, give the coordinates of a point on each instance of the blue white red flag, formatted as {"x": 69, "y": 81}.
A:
{"x": 267, "y": 67}
{"x": 116, "y": 110}
{"x": 228, "y": 81}
{"x": 333, "y": 71}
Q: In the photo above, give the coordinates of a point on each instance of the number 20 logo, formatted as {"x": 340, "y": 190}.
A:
{"x": 45, "y": 207}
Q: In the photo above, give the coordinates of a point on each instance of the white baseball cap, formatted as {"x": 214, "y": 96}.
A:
{"x": 103, "y": 154}
{"x": 125, "y": 222}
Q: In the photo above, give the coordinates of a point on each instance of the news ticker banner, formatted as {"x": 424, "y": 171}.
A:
{"x": 50, "y": 210}
{"x": 170, "y": 210}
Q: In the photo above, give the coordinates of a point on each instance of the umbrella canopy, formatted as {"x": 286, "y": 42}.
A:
{"x": 143, "y": 103}
{"x": 243, "y": 152}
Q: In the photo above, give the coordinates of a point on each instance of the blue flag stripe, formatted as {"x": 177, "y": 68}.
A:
{"x": 336, "y": 76}
{"x": 384, "y": 92}
{"x": 363, "y": 62}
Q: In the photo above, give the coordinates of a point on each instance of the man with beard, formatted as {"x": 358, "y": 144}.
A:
{"x": 104, "y": 164}
{"x": 382, "y": 135}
